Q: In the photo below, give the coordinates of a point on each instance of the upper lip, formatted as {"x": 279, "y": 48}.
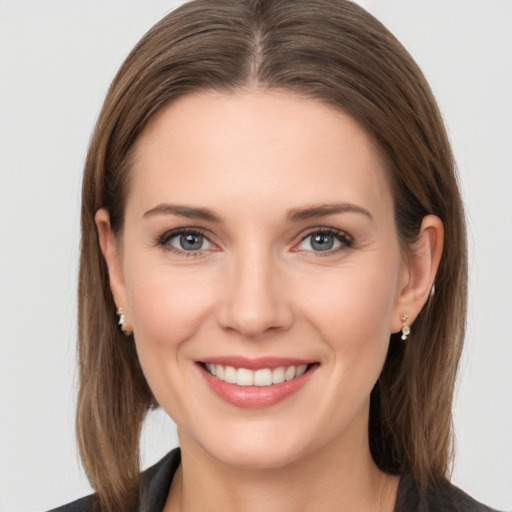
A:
{"x": 256, "y": 363}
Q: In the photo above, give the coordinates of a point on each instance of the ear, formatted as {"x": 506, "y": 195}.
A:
{"x": 109, "y": 248}
{"x": 419, "y": 273}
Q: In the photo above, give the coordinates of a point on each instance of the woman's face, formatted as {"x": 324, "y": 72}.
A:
{"x": 259, "y": 241}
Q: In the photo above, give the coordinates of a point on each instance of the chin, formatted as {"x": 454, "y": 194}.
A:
{"x": 260, "y": 447}
{"x": 254, "y": 457}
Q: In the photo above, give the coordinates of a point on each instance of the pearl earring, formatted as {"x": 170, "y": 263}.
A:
{"x": 122, "y": 321}
{"x": 406, "y": 330}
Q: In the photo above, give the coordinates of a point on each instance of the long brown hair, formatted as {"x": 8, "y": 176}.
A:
{"x": 337, "y": 53}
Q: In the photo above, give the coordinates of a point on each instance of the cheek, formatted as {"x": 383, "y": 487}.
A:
{"x": 354, "y": 306}
{"x": 167, "y": 309}
{"x": 356, "y": 326}
{"x": 167, "y": 306}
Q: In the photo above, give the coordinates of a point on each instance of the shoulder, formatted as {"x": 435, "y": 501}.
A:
{"x": 155, "y": 485}
{"x": 443, "y": 496}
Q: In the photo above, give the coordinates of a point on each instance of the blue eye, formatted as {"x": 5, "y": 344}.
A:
{"x": 186, "y": 241}
{"x": 324, "y": 241}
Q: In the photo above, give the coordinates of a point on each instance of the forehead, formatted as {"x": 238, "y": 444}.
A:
{"x": 213, "y": 147}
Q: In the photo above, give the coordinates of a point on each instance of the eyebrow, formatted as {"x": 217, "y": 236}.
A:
{"x": 292, "y": 215}
{"x": 183, "y": 211}
{"x": 321, "y": 210}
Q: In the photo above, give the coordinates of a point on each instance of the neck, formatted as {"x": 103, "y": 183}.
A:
{"x": 334, "y": 478}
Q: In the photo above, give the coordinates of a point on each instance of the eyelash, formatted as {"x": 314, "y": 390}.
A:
{"x": 345, "y": 240}
{"x": 163, "y": 241}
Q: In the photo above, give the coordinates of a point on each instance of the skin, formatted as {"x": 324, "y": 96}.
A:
{"x": 258, "y": 287}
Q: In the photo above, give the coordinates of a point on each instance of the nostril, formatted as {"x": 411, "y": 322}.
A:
{"x": 255, "y": 300}
{"x": 255, "y": 318}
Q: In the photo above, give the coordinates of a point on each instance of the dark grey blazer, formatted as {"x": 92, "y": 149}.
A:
{"x": 157, "y": 482}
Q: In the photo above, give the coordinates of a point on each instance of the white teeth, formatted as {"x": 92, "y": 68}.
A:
{"x": 301, "y": 370}
{"x": 244, "y": 377}
{"x": 278, "y": 375}
{"x": 289, "y": 373}
{"x": 262, "y": 377}
{"x": 230, "y": 375}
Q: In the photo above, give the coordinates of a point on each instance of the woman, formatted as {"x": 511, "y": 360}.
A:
{"x": 270, "y": 206}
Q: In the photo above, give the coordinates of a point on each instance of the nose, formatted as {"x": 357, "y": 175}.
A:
{"x": 254, "y": 299}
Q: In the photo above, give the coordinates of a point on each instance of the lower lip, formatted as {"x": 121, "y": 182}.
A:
{"x": 256, "y": 397}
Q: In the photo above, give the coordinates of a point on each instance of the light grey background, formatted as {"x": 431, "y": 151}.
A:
{"x": 56, "y": 61}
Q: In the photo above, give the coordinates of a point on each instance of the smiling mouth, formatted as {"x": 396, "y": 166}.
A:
{"x": 261, "y": 378}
